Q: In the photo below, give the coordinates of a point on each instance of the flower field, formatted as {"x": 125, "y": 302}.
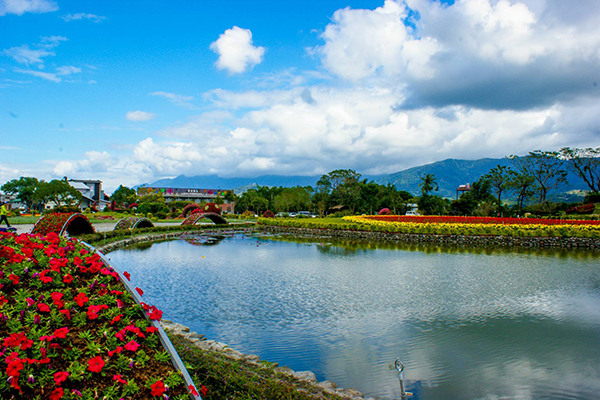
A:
{"x": 521, "y": 227}
{"x": 436, "y": 219}
{"x": 70, "y": 330}
{"x": 480, "y": 226}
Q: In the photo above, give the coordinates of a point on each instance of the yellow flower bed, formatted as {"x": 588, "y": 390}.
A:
{"x": 565, "y": 230}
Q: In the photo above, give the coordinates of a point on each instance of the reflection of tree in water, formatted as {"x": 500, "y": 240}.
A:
{"x": 205, "y": 240}
{"x": 347, "y": 247}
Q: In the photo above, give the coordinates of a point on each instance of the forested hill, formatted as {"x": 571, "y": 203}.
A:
{"x": 449, "y": 174}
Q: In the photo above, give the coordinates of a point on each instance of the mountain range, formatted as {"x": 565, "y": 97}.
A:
{"x": 449, "y": 173}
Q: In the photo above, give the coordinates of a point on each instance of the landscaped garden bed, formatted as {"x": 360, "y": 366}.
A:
{"x": 461, "y": 226}
{"x": 71, "y": 330}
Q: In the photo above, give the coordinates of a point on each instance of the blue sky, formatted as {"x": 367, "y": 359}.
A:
{"x": 131, "y": 92}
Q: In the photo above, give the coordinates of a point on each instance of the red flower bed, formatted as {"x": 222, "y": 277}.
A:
{"x": 69, "y": 328}
{"x": 477, "y": 220}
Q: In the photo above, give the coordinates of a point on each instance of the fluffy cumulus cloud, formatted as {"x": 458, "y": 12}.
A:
{"x": 139, "y": 115}
{"x": 236, "y": 51}
{"x": 495, "y": 54}
{"x": 412, "y": 82}
{"x": 20, "y": 7}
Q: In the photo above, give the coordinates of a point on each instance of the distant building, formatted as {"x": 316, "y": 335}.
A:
{"x": 189, "y": 194}
{"x": 463, "y": 188}
{"x": 92, "y": 192}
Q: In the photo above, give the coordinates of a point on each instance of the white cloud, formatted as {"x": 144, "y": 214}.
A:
{"x": 363, "y": 43}
{"x": 68, "y": 70}
{"x": 139, "y": 115}
{"x": 178, "y": 99}
{"x": 80, "y": 16}
{"x": 44, "y": 75}
{"x": 20, "y": 7}
{"x": 54, "y": 77}
{"x": 26, "y": 55}
{"x": 235, "y": 50}
{"x": 482, "y": 53}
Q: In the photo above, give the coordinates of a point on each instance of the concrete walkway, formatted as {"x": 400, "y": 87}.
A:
{"x": 99, "y": 227}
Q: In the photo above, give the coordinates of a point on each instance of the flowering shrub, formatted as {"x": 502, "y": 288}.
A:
{"x": 268, "y": 214}
{"x": 197, "y": 211}
{"x": 212, "y": 208}
{"x": 384, "y": 211}
{"x": 247, "y": 214}
{"x": 584, "y": 209}
{"x": 189, "y": 208}
{"x": 59, "y": 223}
{"x": 70, "y": 329}
{"x": 192, "y": 219}
{"x": 132, "y": 206}
{"x": 133, "y": 223}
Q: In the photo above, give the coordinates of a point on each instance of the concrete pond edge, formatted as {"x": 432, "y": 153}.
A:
{"x": 307, "y": 377}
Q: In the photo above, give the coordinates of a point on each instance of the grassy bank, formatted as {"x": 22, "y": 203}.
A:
{"x": 227, "y": 378}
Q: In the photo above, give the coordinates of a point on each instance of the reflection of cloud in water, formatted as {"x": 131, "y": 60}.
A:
{"x": 467, "y": 326}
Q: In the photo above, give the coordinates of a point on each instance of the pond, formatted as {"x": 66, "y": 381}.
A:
{"x": 467, "y": 324}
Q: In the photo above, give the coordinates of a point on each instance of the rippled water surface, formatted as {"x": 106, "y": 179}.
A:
{"x": 483, "y": 325}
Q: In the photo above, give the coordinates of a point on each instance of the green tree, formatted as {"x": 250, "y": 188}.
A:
{"x": 428, "y": 184}
{"x": 523, "y": 185}
{"x": 59, "y": 192}
{"x": 585, "y": 163}
{"x": 124, "y": 196}
{"x": 24, "y": 188}
{"x": 545, "y": 167}
{"x": 499, "y": 179}
{"x": 343, "y": 186}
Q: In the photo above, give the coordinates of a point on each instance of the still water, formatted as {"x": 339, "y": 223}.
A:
{"x": 467, "y": 324}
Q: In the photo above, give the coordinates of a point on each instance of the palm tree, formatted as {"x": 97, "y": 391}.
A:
{"x": 428, "y": 184}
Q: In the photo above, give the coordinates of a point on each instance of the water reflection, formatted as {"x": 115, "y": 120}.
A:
{"x": 468, "y": 324}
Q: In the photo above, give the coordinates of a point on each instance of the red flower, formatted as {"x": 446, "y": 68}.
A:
{"x": 67, "y": 313}
{"x": 193, "y": 390}
{"x": 67, "y": 279}
{"x": 96, "y": 364}
{"x": 60, "y": 377}
{"x": 203, "y": 390}
{"x": 127, "y": 275}
{"x": 56, "y": 298}
{"x": 118, "y": 350}
{"x": 151, "y": 329}
{"x": 132, "y": 346}
{"x": 140, "y": 291}
{"x": 158, "y": 388}
{"x": 57, "y": 394}
{"x": 119, "y": 378}
{"x": 155, "y": 314}
{"x": 81, "y": 299}
{"x": 61, "y": 333}
{"x": 116, "y": 319}
{"x": 43, "y": 307}
{"x": 14, "y": 278}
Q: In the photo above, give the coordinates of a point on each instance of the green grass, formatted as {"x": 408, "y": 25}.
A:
{"x": 225, "y": 378}
{"x": 23, "y": 220}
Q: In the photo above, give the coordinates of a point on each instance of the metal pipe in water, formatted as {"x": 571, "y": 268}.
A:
{"x": 400, "y": 368}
